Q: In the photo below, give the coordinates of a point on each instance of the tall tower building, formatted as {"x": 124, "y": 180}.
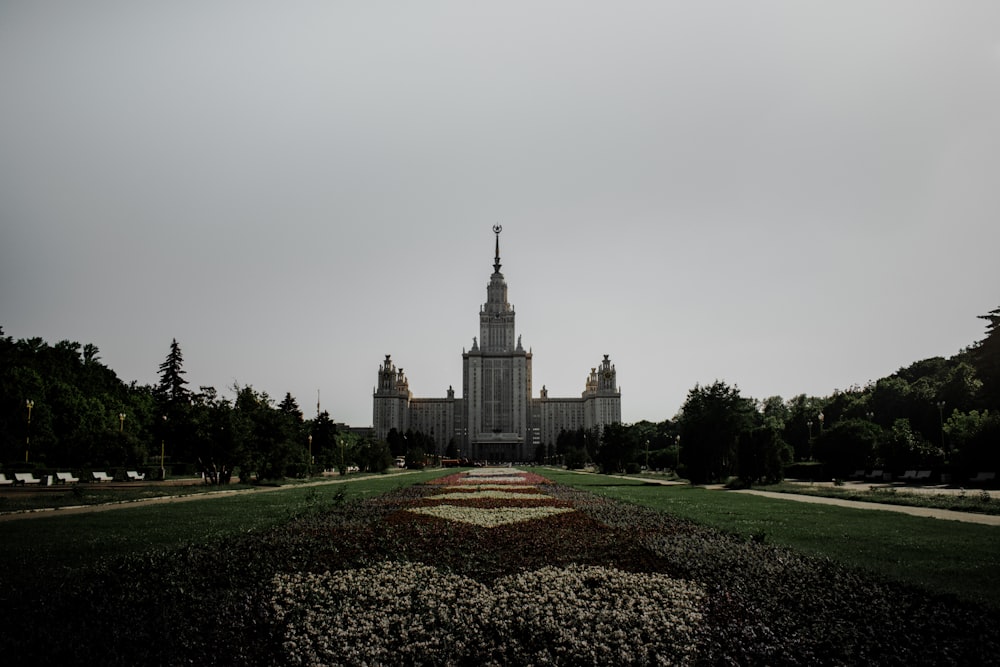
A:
{"x": 496, "y": 379}
{"x": 496, "y": 419}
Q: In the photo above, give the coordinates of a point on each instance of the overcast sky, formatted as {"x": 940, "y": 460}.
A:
{"x": 792, "y": 197}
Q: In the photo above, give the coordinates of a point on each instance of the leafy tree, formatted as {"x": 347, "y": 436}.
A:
{"x": 847, "y": 446}
{"x": 712, "y": 421}
{"x": 905, "y": 449}
{"x": 802, "y": 411}
{"x": 763, "y": 455}
{"x": 263, "y": 436}
{"x": 618, "y": 448}
{"x": 961, "y": 387}
{"x": 396, "y": 442}
{"x": 374, "y": 456}
{"x": 974, "y": 438}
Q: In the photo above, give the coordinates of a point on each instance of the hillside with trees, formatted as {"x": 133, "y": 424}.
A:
{"x": 938, "y": 414}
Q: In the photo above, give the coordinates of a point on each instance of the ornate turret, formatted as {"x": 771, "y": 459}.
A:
{"x": 390, "y": 379}
{"x": 496, "y": 317}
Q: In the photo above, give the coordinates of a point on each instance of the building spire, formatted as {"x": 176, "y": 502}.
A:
{"x": 496, "y": 262}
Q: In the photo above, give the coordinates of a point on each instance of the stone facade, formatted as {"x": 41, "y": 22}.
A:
{"x": 497, "y": 419}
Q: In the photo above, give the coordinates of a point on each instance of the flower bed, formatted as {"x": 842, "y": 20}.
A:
{"x": 415, "y": 613}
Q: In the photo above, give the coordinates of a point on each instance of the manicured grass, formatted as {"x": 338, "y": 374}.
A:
{"x": 942, "y": 556}
{"x": 29, "y": 546}
{"x": 98, "y": 494}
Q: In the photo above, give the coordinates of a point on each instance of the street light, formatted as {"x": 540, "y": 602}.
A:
{"x": 121, "y": 422}
{"x": 342, "y": 468}
{"x": 821, "y": 417}
{"x": 940, "y": 406}
{"x": 310, "y": 454}
{"x": 163, "y": 447}
{"x": 27, "y": 434}
{"x": 810, "y": 425}
{"x": 647, "y": 455}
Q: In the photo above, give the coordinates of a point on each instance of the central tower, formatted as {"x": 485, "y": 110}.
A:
{"x": 497, "y": 379}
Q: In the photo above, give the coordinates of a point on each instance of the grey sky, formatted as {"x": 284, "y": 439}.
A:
{"x": 788, "y": 196}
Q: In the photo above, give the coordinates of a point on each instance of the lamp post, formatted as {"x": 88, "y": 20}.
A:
{"x": 647, "y": 455}
{"x": 940, "y": 407}
{"x": 121, "y": 422}
{"x": 342, "y": 468}
{"x": 163, "y": 448}
{"x": 310, "y": 454}
{"x": 810, "y": 425}
{"x": 821, "y": 417}
{"x": 27, "y": 434}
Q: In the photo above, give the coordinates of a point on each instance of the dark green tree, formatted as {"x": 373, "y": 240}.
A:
{"x": 973, "y": 439}
{"x": 904, "y": 448}
{"x": 762, "y": 455}
{"x": 172, "y": 389}
{"x": 374, "y": 456}
{"x": 986, "y": 358}
{"x": 847, "y": 446}
{"x": 618, "y": 448}
{"x": 801, "y": 424}
{"x": 396, "y": 442}
{"x": 324, "y": 444}
{"x": 712, "y": 420}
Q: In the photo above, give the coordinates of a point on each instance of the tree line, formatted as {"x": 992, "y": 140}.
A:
{"x": 939, "y": 414}
{"x": 61, "y": 407}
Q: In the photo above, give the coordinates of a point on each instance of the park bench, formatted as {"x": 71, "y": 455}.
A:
{"x": 909, "y": 476}
{"x": 66, "y": 478}
{"x": 102, "y": 477}
{"x": 134, "y": 476}
{"x": 26, "y": 478}
{"x": 983, "y": 477}
{"x": 875, "y": 475}
{"x": 4, "y": 481}
{"x": 858, "y": 474}
{"x": 923, "y": 475}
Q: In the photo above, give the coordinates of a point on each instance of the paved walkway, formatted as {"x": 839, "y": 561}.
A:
{"x": 205, "y": 495}
{"x": 929, "y": 512}
{"x": 948, "y": 515}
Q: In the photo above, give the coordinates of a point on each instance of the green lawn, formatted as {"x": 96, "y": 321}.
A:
{"x": 942, "y": 556}
{"x": 28, "y": 546}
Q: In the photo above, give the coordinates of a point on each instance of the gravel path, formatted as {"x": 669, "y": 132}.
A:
{"x": 104, "y": 507}
{"x": 947, "y": 515}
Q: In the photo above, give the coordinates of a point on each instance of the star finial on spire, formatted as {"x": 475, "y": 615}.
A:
{"x": 496, "y": 263}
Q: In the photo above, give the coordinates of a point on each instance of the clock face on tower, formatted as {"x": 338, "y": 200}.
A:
{"x": 607, "y": 375}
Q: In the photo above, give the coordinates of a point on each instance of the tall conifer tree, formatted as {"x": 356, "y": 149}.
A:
{"x": 172, "y": 389}
{"x": 986, "y": 357}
